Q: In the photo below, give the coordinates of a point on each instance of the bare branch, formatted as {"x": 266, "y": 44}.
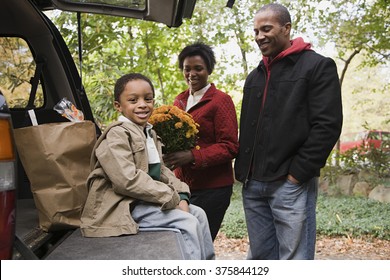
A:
{"x": 346, "y": 64}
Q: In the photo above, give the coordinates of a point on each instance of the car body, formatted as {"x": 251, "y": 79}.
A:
{"x": 365, "y": 140}
{"x": 7, "y": 181}
{"x": 36, "y": 71}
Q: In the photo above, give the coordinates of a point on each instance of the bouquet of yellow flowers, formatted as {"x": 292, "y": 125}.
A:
{"x": 177, "y": 128}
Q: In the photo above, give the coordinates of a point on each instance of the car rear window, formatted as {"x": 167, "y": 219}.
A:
{"x": 385, "y": 136}
{"x": 374, "y": 135}
{"x": 17, "y": 68}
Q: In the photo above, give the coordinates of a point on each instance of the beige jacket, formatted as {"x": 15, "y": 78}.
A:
{"x": 120, "y": 177}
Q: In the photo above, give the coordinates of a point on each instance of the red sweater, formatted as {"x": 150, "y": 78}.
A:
{"x": 218, "y": 140}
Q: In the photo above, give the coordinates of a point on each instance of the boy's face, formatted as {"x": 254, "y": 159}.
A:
{"x": 136, "y": 102}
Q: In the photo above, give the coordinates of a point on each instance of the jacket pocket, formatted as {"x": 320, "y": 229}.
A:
{"x": 138, "y": 147}
{"x": 140, "y": 155}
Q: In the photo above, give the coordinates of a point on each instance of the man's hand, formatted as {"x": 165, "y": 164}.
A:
{"x": 292, "y": 179}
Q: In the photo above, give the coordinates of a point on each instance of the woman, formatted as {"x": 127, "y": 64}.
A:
{"x": 208, "y": 169}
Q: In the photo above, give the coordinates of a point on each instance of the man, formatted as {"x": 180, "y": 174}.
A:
{"x": 291, "y": 117}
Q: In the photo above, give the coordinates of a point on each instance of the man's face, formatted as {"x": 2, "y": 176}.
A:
{"x": 270, "y": 36}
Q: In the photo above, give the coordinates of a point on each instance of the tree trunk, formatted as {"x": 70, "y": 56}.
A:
{"x": 343, "y": 72}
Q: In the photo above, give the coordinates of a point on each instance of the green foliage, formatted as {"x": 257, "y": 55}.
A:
{"x": 353, "y": 25}
{"x": 113, "y": 46}
{"x": 378, "y": 161}
{"x": 352, "y": 217}
{"x": 332, "y": 170}
{"x": 359, "y": 31}
{"x": 17, "y": 66}
{"x": 336, "y": 216}
{"x": 370, "y": 160}
{"x": 234, "y": 225}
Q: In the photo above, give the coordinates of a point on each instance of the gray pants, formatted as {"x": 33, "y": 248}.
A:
{"x": 193, "y": 226}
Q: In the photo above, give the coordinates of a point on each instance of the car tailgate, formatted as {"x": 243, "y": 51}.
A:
{"x": 148, "y": 244}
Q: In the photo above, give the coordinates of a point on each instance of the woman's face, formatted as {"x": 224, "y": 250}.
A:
{"x": 195, "y": 72}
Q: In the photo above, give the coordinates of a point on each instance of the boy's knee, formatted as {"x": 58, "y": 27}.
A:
{"x": 199, "y": 213}
{"x": 185, "y": 216}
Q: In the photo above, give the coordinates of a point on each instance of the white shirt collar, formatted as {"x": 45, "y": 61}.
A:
{"x": 153, "y": 156}
{"x": 195, "y": 97}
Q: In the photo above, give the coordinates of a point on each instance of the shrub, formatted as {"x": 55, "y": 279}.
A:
{"x": 371, "y": 160}
{"x": 353, "y": 217}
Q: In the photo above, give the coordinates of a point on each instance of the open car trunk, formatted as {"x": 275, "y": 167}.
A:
{"x": 36, "y": 72}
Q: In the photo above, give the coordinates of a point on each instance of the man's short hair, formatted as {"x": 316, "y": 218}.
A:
{"x": 281, "y": 11}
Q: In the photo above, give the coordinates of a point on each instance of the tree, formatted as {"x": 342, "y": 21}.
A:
{"x": 113, "y": 46}
{"x": 358, "y": 27}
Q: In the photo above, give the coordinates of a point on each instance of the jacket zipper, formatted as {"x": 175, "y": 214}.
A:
{"x": 260, "y": 121}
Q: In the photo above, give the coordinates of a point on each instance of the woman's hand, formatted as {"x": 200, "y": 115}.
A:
{"x": 177, "y": 159}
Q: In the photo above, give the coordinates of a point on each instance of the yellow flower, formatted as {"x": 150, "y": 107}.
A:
{"x": 177, "y": 128}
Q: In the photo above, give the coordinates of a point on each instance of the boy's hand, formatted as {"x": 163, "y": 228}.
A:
{"x": 183, "y": 205}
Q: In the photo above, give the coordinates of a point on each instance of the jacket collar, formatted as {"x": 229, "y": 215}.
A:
{"x": 293, "y": 53}
{"x": 183, "y": 97}
{"x": 293, "y": 58}
{"x": 147, "y": 128}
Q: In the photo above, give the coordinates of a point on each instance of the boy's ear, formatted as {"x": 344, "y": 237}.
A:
{"x": 117, "y": 106}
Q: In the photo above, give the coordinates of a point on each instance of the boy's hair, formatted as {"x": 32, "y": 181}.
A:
{"x": 281, "y": 11}
{"x": 200, "y": 49}
{"x": 122, "y": 81}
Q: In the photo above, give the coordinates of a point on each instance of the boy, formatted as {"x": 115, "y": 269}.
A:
{"x": 130, "y": 187}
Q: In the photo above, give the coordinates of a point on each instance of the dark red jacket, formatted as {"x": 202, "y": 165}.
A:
{"x": 218, "y": 140}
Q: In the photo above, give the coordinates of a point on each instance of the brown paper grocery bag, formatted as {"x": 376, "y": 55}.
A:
{"x": 56, "y": 160}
